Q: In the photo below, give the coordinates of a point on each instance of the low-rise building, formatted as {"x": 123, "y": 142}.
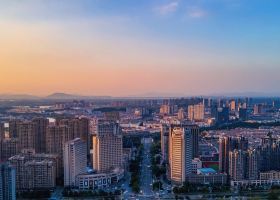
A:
{"x": 98, "y": 180}
{"x": 270, "y": 175}
{"x": 196, "y": 164}
{"x": 208, "y": 179}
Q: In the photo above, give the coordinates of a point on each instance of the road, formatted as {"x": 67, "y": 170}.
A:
{"x": 146, "y": 189}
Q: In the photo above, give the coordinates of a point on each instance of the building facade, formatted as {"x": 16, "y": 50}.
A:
{"x": 180, "y": 153}
{"x": 74, "y": 159}
{"x": 107, "y": 146}
{"x": 7, "y": 182}
{"x": 164, "y": 141}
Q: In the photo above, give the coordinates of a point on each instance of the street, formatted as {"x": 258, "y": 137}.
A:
{"x": 146, "y": 188}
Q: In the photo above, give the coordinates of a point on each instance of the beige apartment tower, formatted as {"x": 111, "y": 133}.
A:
{"x": 196, "y": 112}
{"x": 107, "y": 146}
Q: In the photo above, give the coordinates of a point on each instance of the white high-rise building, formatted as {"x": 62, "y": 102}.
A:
{"x": 180, "y": 153}
{"x": 75, "y": 160}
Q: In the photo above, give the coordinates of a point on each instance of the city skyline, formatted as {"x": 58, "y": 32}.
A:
{"x": 129, "y": 48}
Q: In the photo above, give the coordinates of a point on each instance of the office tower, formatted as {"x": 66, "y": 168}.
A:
{"x": 107, "y": 146}
{"x": 252, "y": 164}
{"x": 164, "y": 141}
{"x": 40, "y": 134}
{"x": 227, "y": 144}
{"x": 8, "y": 148}
{"x": 237, "y": 165}
{"x": 26, "y": 135}
{"x": 180, "y": 153}
{"x": 195, "y": 132}
{"x": 196, "y": 112}
{"x": 39, "y": 174}
{"x": 75, "y": 160}
{"x": 7, "y": 182}
{"x": 181, "y": 114}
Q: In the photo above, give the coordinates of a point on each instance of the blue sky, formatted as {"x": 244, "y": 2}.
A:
{"x": 224, "y": 45}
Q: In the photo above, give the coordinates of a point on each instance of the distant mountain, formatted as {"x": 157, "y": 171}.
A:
{"x": 64, "y": 96}
{"x": 18, "y": 97}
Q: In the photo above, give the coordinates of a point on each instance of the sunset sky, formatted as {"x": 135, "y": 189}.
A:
{"x": 137, "y": 47}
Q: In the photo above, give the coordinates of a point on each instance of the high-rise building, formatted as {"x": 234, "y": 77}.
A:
{"x": 232, "y": 105}
{"x": 252, "y": 164}
{"x": 56, "y": 137}
{"x": 222, "y": 115}
{"x": 237, "y": 165}
{"x": 167, "y": 109}
{"x": 258, "y": 109}
{"x": 164, "y": 141}
{"x": 196, "y": 112}
{"x": 26, "y": 134}
{"x": 2, "y": 131}
{"x": 227, "y": 144}
{"x": 40, "y": 134}
{"x": 13, "y": 131}
{"x": 195, "y": 132}
{"x": 79, "y": 128}
{"x": 244, "y": 165}
{"x": 8, "y": 148}
{"x": 180, "y": 153}
{"x": 107, "y": 146}
{"x": 75, "y": 160}
{"x": 243, "y": 114}
{"x": 35, "y": 171}
{"x": 269, "y": 154}
{"x": 7, "y": 182}
{"x": 181, "y": 114}
{"x": 40, "y": 174}
{"x": 191, "y": 112}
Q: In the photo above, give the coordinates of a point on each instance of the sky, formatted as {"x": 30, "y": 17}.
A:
{"x": 139, "y": 47}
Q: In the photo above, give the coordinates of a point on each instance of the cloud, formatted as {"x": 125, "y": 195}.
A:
{"x": 167, "y": 8}
{"x": 196, "y": 12}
